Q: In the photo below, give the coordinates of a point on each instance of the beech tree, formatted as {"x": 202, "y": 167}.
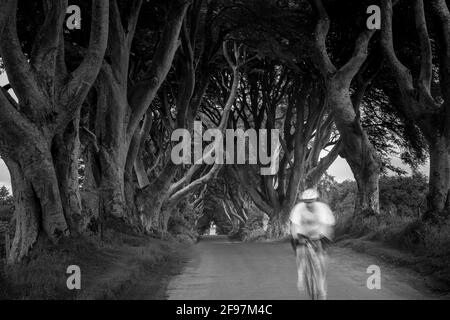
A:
{"x": 167, "y": 192}
{"x": 280, "y": 92}
{"x": 5, "y": 6}
{"x": 356, "y": 147}
{"x": 426, "y": 108}
{"x": 203, "y": 36}
{"x": 90, "y": 132}
{"x": 273, "y": 97}
{"x": 49, "y": 97}
{"x": 123, "y": 97}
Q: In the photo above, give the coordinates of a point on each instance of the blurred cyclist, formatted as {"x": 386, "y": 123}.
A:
{"x": 311, "y": 226}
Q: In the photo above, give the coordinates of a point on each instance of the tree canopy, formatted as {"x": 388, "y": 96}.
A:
{"x": 90, "y": 139}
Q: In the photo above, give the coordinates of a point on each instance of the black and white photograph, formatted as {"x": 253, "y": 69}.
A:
{"x": 226, "y": 155}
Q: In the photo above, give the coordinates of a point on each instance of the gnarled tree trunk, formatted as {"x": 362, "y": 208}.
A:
{"x": 66, "y": 153}
{"x": 112, "y": 185}
{"x": 438, "y": 198}
{"x": 49, "y": 99}
{"x": 278, "y": 226}
{"x": 357, "y": 151}
{"x": 27, "y": 213}
{"x": 121, "y": 106}
{"x": 150, "y": 200}
{"x": 418, "y": 103}
{"x": 39, "y": 208}
{"x": 356, "y": 147}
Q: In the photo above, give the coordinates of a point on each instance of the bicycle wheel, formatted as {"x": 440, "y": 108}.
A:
{"x": 312, "y": 273}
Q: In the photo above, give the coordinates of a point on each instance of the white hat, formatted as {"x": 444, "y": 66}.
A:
{"x": 309, "y": 194}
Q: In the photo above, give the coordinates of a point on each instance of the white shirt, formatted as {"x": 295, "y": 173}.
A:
{"x": 314, "y": 223}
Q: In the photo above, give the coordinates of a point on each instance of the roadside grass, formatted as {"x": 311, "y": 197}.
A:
{"x": 110, "y": 269}
{"x": 424, "y": 247}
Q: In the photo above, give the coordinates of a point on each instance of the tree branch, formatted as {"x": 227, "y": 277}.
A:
{"x": 317, "y": 172}
{"x": 426, "y": 65}
{"x": 322, "y": 58}
{"x": 348, "y": 71}
{"x": 46, "y": 43}
{"x": 401, "y": 72}
{"x": 84, "y": 76}
{"x": 132, "y": 19}
{"x": 145, "y": 91}
{"x": 20, "y": 74}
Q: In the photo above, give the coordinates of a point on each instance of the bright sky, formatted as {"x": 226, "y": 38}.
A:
{"x": 339, "y": 169}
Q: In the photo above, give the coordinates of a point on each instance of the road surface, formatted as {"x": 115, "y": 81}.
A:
{"x": 223, "y": 269}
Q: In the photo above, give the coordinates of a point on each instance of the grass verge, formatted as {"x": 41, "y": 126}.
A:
{"x": 122, "y": 266}
{"x": 403, "y": 241}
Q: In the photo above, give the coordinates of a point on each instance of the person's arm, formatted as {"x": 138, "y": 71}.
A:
{"x": 327, "y": 229}
{"x": 327, "y": 221}
{"x": 327, "y": 239}
{"x": 328, "y": 232}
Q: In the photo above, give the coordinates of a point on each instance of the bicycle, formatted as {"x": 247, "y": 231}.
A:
{"x": 310, "y": 258}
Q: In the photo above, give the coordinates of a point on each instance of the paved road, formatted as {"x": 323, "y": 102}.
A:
{"x": 222, "y": 269}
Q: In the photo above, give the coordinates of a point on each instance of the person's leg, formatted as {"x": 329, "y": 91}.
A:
{"x": 300, "y": 261}
{"x": 312, "y": 273}
{"x": 323, "y": 261}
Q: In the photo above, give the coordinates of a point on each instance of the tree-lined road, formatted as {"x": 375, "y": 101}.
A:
{"x": 223, "y": 269}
